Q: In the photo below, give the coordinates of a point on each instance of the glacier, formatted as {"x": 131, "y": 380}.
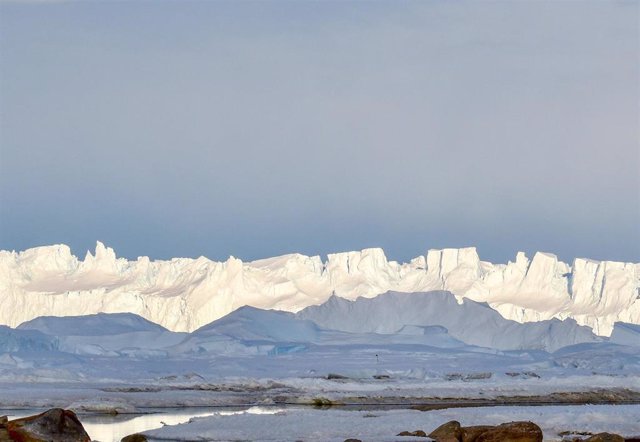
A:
{"x": 184, "y": 294}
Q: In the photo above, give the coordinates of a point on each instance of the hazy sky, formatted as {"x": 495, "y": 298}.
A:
{"x": 174, "y": 128}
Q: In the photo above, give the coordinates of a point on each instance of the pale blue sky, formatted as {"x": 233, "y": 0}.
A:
{"x": 254, "y": 129}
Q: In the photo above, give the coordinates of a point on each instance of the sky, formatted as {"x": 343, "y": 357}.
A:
{"x": 255, "y": 129}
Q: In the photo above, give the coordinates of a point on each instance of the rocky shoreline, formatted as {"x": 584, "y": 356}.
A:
{"x": 59, "y": 425}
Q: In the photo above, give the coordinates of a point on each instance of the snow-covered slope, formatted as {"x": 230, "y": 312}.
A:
{"x": 101, "y": 324}
{"x": 250, "y": 323}
{"x": 250, "y": 330}
{"x": 278, "y": 332}
{"x": 243, "y": 354}
{"x": 184, "y": 294}
{"x": 471, "y": 322}
{"x": 246, "y": 331}
{"x": 104, "y": 334}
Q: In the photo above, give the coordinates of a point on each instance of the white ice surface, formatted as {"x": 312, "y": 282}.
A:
{"x": 256, "y": 356}
{"x": 626, "y": 334}
{"x": 185, "y": 294}
{"x": 469, "y": 321}
{"x": 268, "y": 424}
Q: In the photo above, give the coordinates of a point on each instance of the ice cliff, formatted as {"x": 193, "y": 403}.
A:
{"x": 184, "y": 294}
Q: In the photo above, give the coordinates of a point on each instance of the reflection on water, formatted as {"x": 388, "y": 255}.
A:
{"x": 110, "y": 428}
{"x": 114, "y": 428}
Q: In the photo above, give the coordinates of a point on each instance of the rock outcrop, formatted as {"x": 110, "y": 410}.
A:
{"x": 448, "y": 432}
{"x": 137, "y": 437}
{"x": 507, "y": 432}
{"x": 605, "y": 437}
{"x": 416, "y": 433}
{"x": 55, "y": 425}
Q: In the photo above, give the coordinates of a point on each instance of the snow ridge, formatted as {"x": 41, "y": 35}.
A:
{"x": 184, "y": 294}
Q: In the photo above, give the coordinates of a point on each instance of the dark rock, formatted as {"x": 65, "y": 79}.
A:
{"x": 449, "y": 432}
{"x": 575, "y": 433}
{"x": 454, "y": 376}
{"x": 137, "y": 437}
{"x": 467, "y": 377}
{"x": 321, "y": 402}
{"x": 417, "y": 433}
{"x": 524, "y": 375}
{"x": 4, "y": 434}
{"x": 512, "y": 432}
{"x": 381, "y": 376}
{"x": 336, "y": 376}
{"x": 55, "y": 425}
{"x": 470, "y": 434}
{"x": 605, "y": 437}
{"x": 352, "y": 440}
{"x": 476, "y": 376}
